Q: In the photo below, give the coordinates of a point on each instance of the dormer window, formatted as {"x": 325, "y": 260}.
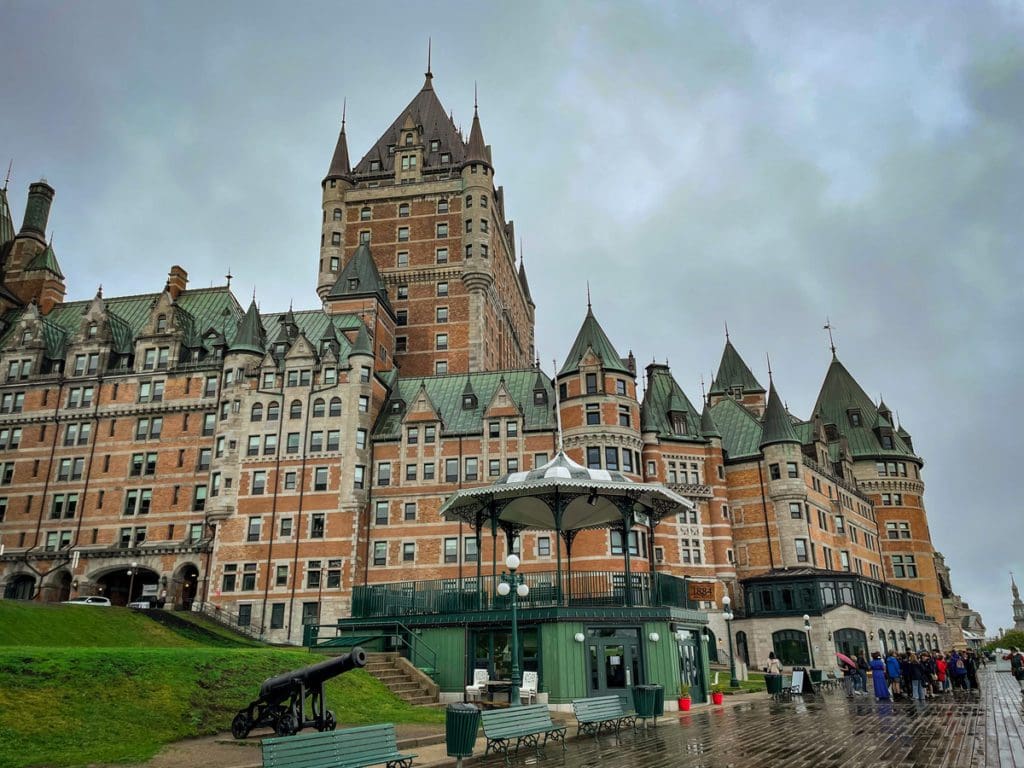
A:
{"x": 678, "y": 419}
{"x": 353, "y": 283}
{"x": 161, "y": 324}
{"x": 391, "y": 149}
{"x": 831, "y": 432}
{"x": 92, "y": 330}
{"x": 540, "y": 397}
{"x": 854, "y": 418}
{"x": 434, "y": 145}
{"x": 736, "y": 393}
{"x": 26, "y": 337}
{"x": 397, "y": 406}
{"x": 445, "y": 158}
{"x": 375, "y": 165}
{"x": 408, "y": 139}
{"x": 469, "y": 402}
{"x": 887, "y": 442}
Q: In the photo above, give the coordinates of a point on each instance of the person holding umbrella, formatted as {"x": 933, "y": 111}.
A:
{"x": 849, "y": 667}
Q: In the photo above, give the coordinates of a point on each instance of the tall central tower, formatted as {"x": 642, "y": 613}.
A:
{"x": 424, "y": 201}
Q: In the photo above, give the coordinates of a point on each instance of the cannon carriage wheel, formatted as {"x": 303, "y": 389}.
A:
{"x": 241, "y": 725}
{"x": 286, "y": 725}
{"x": 330, "y": 722}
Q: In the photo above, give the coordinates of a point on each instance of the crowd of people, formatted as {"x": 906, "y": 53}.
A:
{"x": 912, "y": 675}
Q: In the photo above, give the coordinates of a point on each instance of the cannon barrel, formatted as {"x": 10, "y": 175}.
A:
{"x": 280, "y": 687}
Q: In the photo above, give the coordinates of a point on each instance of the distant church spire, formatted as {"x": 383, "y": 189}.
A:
{"x": 1018, "y": 606}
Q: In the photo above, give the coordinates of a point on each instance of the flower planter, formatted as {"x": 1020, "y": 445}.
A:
{"x": 684, "y": 703}
{"x": 716, "y": 697}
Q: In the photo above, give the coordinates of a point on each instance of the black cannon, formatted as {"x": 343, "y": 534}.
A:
{"x": 282, "y": 701}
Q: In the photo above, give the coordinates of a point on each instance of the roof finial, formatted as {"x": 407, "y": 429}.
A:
{"x": 429, "y": 72}
{"x": 7, "y": 180}
{"x": 558, "y": 409}
{"x": 769, "y": 358}
{"x": 832, "y": 345}
{"x": 344, "y": 109}
{"x": 703, "y": 394}
{"x": 727, "y": 330}
{"x": 254, "y": 293}
{"x": 520, "y": 250}
{"x": 228, "y": 276}
{"x": 474, "y": 98}
{"x": 99, "y": 291}
{"x": 588, "y": 295}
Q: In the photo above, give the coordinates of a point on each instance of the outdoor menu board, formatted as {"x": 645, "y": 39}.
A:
{"x": 798, "y": 682}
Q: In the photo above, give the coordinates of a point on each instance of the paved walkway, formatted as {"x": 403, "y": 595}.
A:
{"x": 825, "y": 731}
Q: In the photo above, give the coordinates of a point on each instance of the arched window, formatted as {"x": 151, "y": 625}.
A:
{"x": 483, "y": 201}
{"x": 408, "y": 139}
{"x": 742, "y": 651}
{"x": 295, "y": 410}
{"x": 935, "y": 642}
{"x": 850, "y": 641}
{"x": 365, "y": 213}
{"x": 881, "y": 638}
{"x": 790, "y": 646}
{"x": 318, "y": 407}
{"x": 337, "y": 214}
{"x": 335, "y": 406}
{"x": 903, "y": 642}
{"x": 920, "y": 641}
{"x": 273, "y": 412}
{"x": 257, "y": 412}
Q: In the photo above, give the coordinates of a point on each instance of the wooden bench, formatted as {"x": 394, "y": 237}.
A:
{"x": 599, "y": 712}
{"x": 349, "y": 748}
{"x": 517, "y": 726}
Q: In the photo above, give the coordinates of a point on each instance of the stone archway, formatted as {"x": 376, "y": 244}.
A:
{"x": 59, "y": 587}
{"x": 22, "y": 586}
{"x": 184, "y": 587}
{"x": 124, "y": 584}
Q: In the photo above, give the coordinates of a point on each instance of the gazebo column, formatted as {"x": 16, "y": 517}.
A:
{"x": 494, "y": 549}
{"x": 478, "y": 525}
{"x": 653, "y": 560}
{"x": 569, "y": 537}
{"x": 626, "y": 510}
{"x": 559, "y": 510}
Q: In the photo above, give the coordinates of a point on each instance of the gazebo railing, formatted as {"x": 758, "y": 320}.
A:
{"x": 547, "y": 590}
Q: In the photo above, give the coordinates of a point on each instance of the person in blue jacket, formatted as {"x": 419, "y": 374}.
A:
{"x": 878, "y": 673}
{"x": 894, "y": 673}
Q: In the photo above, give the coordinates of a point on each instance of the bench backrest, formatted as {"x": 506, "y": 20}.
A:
{"x": 513, "y": 721}
{"x": 598, "y": 708}
{"x": 330, "y": 748}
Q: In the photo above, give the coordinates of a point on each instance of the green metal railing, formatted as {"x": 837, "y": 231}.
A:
{"x": 373, "y": 636}
{"x": 547, "y": 589}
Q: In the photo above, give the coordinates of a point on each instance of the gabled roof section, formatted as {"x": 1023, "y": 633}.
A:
{"x": 250, "y": 336}
{"x": 664, "y": 397}
{"x": 777, "y": 426}
{"x": 46, "y": 259}
{"x": 360, "y": 277}
{"x": 741, "y": 432}
{"x": 840, "y": 397}
{"x": 592, "y": 336}
{"x": 733, "y": 372}
{"x": 427, "y": 112}
{"x": 446, "y": 393}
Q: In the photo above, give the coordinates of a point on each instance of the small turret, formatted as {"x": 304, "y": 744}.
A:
{"x": 335, "y": 185}
{"x": 251, "y": 337}
{"x": 777, "y": 426}
{"x": 37, "y": 210}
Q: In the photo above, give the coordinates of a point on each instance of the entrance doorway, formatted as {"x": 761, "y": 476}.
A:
{"x": 186, "y": 583}
{"x": 690, "y": 664}
{"x": 21, "y": 587}
{"x": 614, "y": 663}
{"x": 850, "y": 641}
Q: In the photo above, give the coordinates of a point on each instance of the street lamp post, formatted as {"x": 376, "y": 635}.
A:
{"x": 807, "y": 629}
{"x": 728, "y": 616}
{"x": 512, "y": 583}
{"x": 131, "y": 580}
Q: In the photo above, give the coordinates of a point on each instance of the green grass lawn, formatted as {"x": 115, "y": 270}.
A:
{"x": 105, "y": 685}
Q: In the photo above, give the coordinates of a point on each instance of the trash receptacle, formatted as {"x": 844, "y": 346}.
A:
{"x": 659, "y": 700}
{"x": 461, "y": 722}
{"x": 815, "y": 677}
{"x": 774, "y": 685}
{"x": 643, "y": 700}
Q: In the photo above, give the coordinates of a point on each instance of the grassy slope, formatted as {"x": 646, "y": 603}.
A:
{"x": 147, "y": 686}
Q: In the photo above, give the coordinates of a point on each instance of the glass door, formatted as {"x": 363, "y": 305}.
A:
{"x": 614, "y": 663}
{"x": 690, "y": 663}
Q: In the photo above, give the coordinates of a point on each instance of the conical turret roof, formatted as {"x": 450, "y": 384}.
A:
{"x": 476, "y": 149}
{"x": 664, "y": 401}
{"x": 250, "y": 336}
{"x": 340, "y": 167}
{"x": 360, "y": 277}
{"x": 46, "y": 259}
{"x": 733, "y": 372}
{"x": 592, "y": 336}
{"x": 523, "y": 283}
{"x": 362, "y": 345}
{"x": 777, "y": 426}
{"x": 708, "y": 428}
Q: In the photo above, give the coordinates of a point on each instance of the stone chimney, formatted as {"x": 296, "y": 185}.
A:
{"x": 37, "y": 210}
{"x": 177, "y": 280}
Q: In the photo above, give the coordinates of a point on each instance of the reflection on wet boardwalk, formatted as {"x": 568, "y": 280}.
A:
{"x": 825, "y": 731}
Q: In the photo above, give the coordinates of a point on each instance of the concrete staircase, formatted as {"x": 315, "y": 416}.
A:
{"x": 402, "y": 678}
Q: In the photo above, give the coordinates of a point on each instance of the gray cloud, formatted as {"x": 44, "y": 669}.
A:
{"x": 767, "y": 166}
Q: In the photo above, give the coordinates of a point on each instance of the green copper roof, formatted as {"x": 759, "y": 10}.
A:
{"x": 445, "y": 392}
{"x": 6, "y": 223}
{"x": 363, "y": 345}
{"x": 839, "y": 399}
{"x": 733, "y": 372}
{"x": 708, "y": 428}
{"x": 360, "y": 277}
{"x": 741, "y": 432}
{"x": 251, "y": 336}
{"x": 592, "y": 336}
{"x": 777, "y": 426}
{"x": 663, "y": 397}
{"x": 46, "y": 259}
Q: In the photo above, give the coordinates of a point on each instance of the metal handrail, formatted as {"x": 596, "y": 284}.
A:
{"x": 403, "y": 635}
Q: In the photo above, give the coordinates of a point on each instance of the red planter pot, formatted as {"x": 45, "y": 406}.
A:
{"x": 716, "y": 697}
{"x": 684, "y": 703}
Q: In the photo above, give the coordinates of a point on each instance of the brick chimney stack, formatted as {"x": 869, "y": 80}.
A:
{"x": 177, "y": 280}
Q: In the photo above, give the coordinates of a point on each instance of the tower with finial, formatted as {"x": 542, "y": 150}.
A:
{"x": 336, "y": 185}
{"x": 30, "y": 269}
{"x": 1018, "y": 606}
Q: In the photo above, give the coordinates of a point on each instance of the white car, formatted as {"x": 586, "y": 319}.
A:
{"x": 103, "y": 602}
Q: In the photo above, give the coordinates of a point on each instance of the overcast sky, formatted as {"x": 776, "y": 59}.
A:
{"x": 763, "y": 164}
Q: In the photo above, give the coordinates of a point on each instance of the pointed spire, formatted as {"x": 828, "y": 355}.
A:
{"x": 46, "y": 259}
{"x": 476, "y": 149}
{"x": 708, "y": 428}
{"x": 250, "y": 337}
{"x": 360, "y": 277}
{"x": 428, "y": 76}
{"x": 831, "y": 343}
{"x": 523, "y": 282}
{"x": 777, "y": 426}
{"x": 592, "y": 336}
{"x": 340, "y": 166}
{"x": 733, "y": 372}
{"x": 363, "y": 345}
{"x": 1013, "y": 588}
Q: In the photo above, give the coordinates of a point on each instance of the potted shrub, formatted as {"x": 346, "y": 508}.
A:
{"x": 716, "y": 694}
{"x": 684, "y": 697}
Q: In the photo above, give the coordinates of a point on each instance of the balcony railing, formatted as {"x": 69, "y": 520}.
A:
{"x": 547, "y": 590}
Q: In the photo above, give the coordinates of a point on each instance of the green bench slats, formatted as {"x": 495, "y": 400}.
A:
{"x": 349, "y": 748}
{"x": 599, "y": 712}
{"x": 524, "y": 725}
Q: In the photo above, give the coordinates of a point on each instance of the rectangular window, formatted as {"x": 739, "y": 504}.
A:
{"x": 791, "y": 469}
{"x": 358, "y": 476}
{"x": 512, "y": 465}
{"x": 428, "y": 471}
{"x": 360, "y": 439}
{"x": 380, "y": 553}
{"x": 403, "y": 235}
{"x": 408, "y": 552}
{"x": 611, "y": 458}
{"x": 442, "y": 229}
{"x": 774, "y": 472}
{"x": 543, "y": 546}
{"x": 442, "y": 289}
{"x": 624, "y": 416}
{"x": 320, "y": 479}
{"x": 451, "y": 550}
{"x": 316, "y": 441}
{"x": 410, "y": 472}
{"x": 801, "y": 550}
{"x": 493, "y": 467}
{"x": 286, "y": 527}
{"x": 511, "y": 428}
{"x": 442, "y": 255}
{"x": 277, "y": 613}
{"x": 593, "y": 414}
{"x": 383, "y": 473}
{"x": 316, "y": 526}
{"x": 410, "y": 511}
{"x": 259, "y": 483}
{"x": 253, "y": 532}
{"x": 451, "y": 470}
{"x": 591, "y": 384}
{"x": 795, "y": 510}
{"x": 904, "y": 567}
{"x": 593, "y": 457}
{"x": 472, "y": 471}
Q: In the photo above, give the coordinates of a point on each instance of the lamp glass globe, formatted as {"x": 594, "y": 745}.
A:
{"x": 726, "y": 600}
{"x": 807, "y": 619}
{"x": 504, "y": 589}
{"x": 522, "y": 590}
{"x": 512, "y": 561}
